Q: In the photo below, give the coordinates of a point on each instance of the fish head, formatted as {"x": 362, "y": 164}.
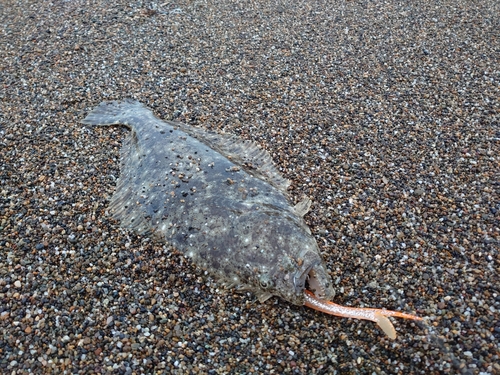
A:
{"x": 297, "y": 266}
{"x": 294, "y": 275}
{"x": 288, "y": 260}
{"x": 279, "y": 257}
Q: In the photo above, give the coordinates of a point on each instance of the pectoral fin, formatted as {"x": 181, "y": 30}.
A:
{"x": 303, "y": 206}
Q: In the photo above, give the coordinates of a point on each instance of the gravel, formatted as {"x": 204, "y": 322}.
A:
{"x": 385, "y": 113}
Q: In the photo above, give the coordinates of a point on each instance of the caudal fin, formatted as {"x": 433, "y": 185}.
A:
{"x": 110, "y": 113}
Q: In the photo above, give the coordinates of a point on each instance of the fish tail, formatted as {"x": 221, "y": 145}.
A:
{"x": 112, "y": 113}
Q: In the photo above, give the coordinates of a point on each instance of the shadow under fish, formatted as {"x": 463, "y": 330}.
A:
{"x": 221, "y": 201}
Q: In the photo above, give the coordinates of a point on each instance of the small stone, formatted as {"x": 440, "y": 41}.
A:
{"x": 17, "y": 284}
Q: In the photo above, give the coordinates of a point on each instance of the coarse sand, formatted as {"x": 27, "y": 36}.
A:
{"x": 385, "y": 113}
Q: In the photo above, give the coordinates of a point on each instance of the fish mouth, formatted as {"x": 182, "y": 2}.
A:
{"x": 308, "y": 280}
{"x": 314, "y": 285}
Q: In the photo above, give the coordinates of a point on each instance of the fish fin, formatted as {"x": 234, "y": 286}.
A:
{"x": 125, "y": 203}
{"x": 303, "y": 206}
{"x": 263, "y": 296}
{"x": 248, "y": 155}
{"x": 112, "y": 113}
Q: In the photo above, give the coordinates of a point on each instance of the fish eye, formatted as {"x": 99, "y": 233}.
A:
{"x": 265, "y": 283}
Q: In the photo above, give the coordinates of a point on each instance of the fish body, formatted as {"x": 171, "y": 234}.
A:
{"x": 217, "y": 199}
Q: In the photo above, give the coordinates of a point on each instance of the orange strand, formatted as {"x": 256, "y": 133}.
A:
{"x": 378, "y": 316}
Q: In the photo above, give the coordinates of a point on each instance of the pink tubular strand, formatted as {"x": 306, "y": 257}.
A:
{"x": 378, "y": 316}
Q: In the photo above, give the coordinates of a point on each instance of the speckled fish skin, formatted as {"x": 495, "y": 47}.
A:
{"x": 203, "y": 194}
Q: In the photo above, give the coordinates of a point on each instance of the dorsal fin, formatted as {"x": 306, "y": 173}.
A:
{"x": 246, "y": 154}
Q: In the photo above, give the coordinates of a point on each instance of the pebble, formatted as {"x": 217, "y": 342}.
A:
{"x": 385, "y": 114}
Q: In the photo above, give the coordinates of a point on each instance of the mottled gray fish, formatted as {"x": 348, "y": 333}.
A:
{"x": 222, "y": 203}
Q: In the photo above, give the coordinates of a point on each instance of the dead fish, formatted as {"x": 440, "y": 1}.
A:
{"x": 222, "y": 202}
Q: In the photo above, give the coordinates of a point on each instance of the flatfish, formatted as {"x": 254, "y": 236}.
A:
{"x": 221, "y": 202}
